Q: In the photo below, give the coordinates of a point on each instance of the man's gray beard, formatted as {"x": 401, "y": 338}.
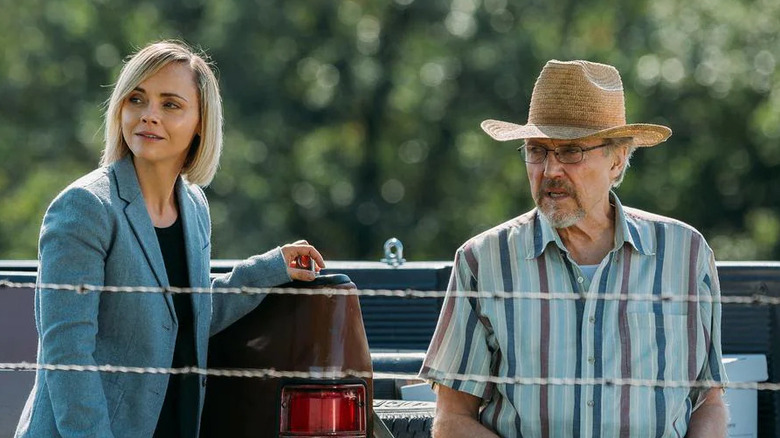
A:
{"x": 563, "y": 219}
{"x": 560, "y": 219}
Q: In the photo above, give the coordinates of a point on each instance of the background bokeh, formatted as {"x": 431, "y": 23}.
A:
{"x": 349, "y": 122}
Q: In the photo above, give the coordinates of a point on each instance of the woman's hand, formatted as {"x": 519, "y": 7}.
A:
{"x": 299, "y": 256}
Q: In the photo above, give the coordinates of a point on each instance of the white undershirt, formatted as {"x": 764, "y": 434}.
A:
{"x": 589, "y": 271}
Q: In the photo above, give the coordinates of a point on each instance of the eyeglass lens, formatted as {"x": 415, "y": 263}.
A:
{"x": 564, "y": 154}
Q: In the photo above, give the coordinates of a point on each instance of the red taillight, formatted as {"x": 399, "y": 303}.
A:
{"x": 323, "y": 410}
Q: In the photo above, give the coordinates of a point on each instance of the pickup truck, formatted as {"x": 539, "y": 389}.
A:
{"x": 317, "y": 334}
{"x": 397, "y": 331}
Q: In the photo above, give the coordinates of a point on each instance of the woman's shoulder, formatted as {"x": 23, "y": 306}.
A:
{"x": 97, "y": 182}
{"x": 196, "y": 193}
{"x": 85, "y": 203}
{"x": 92, "y": 188}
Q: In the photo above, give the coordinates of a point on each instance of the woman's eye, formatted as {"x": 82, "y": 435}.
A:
{"x": 134, "y": 99}
{"x": 170, "y": 105}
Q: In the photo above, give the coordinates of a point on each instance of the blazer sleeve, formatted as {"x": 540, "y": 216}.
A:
{"x": 264, "y": 270}
{"x": 73, "y": 245}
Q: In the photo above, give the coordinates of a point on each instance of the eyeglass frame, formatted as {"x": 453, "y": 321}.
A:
{"x": 555, "y": 151}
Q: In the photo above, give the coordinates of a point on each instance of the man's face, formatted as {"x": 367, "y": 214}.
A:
{"x": 567, "y": 193}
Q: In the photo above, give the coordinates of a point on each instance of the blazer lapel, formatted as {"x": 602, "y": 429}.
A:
{"x": 194, "y": 243}
{"x": 141, "y": 223}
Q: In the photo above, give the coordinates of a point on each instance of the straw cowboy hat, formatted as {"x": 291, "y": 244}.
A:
{"x": 574, "y": 100}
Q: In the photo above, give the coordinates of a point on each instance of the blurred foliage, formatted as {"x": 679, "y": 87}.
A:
{"x": 352, "y": 121}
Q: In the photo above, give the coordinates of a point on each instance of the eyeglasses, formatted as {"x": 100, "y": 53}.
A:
{"x": 533, "y": 154}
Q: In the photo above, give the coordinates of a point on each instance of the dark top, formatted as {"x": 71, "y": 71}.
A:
{"x": 180, "y": 408}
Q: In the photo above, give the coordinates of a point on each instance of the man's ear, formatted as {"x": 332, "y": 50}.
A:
{"x": 619, "y": 157}
{"x": 618, "y": 162}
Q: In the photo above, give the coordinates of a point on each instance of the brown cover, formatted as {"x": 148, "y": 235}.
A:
{"x": 288, "y": 333}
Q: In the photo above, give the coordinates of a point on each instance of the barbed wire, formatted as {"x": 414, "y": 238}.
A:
{"x": 754, "y": 299}
{"x": 219, "y": 372}
{"x": 271, "y": 373}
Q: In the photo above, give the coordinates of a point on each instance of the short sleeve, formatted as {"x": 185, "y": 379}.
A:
{"x": 712, "y": 370}
{"x": 460, "y": 342}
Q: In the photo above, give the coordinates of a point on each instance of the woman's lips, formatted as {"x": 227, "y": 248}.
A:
{"x": 149, "y": 135}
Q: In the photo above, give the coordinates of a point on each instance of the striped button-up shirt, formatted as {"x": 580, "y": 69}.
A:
{"x": 675, "y": 340}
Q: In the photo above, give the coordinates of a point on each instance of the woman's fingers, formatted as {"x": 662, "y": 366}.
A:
{"x": 299, "y": 256}
{"x": 295, "y": 250}
{"x": 301, "y": 274}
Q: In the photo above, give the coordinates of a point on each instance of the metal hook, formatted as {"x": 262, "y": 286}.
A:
{"x": 394, "y": 252}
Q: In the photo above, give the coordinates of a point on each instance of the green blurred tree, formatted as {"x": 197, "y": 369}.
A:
{"x": 348, "y": 122}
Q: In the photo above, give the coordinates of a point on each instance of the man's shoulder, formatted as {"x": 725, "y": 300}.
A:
{"x": 645, "y": 219}
{"x": 517, "y": 224}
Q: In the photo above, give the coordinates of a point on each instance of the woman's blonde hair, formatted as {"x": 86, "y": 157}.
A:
{"x": 203, "y": 156}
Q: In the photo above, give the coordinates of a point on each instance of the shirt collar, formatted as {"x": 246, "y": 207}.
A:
{"x": 544, "y": 234}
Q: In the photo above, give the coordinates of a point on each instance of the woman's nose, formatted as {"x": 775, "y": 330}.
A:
{"x": 149, "y": 115}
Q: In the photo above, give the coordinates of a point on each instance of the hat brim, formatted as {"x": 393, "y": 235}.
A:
{"x": 644, "y": 134}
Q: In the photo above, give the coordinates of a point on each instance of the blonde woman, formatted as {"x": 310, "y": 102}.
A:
{"x": 141, "y": 219}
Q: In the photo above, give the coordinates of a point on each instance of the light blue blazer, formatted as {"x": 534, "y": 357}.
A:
{"x": 97, "y": 231}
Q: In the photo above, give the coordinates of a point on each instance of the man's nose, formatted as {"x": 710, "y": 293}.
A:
{"x": 552, "y": 166}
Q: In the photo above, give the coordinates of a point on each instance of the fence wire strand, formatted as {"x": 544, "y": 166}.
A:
{"x": 754, "y": 299}
{"x": 270, "y": 373}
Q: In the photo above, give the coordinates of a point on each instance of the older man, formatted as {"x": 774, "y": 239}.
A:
{"x": 580, "y": 239}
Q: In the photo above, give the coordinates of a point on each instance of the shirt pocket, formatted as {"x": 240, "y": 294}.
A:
{"x": 659, "y": 341}
{"x": 643, "y": 321}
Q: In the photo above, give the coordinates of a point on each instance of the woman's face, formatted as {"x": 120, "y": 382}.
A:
{"x": 161, "y": 116}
